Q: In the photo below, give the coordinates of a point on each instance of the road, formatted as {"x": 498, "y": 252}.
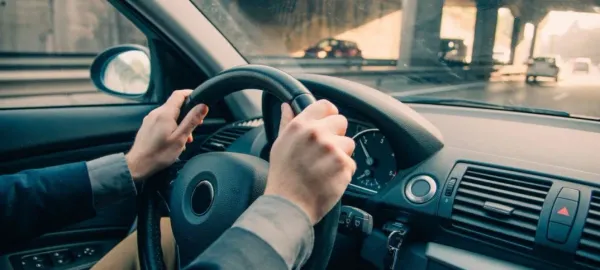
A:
{"x": 575, "y": 93}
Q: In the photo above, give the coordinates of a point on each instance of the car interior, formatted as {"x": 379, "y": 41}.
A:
{"x": 439, "y": 186}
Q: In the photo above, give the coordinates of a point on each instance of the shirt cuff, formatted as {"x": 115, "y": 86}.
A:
{"x": 282, "y": 225}
{"x": 110, "y": 179}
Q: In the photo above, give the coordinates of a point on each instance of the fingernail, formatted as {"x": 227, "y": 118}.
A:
{"x": 203, "y": 108}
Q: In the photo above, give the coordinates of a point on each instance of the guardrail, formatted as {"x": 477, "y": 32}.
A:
{"x": 34, "y": 74}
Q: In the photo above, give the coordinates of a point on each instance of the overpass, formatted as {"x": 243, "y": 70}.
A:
{"x": 283, "y": 27}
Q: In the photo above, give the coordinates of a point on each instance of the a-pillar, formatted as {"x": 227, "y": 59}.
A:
{"x": 485, "y": 32}
{"x": 420, "y": 33}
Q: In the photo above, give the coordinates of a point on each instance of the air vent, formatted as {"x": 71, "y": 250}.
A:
{"x": 499, "y": 206}
{"x": 224, "y": 137}
{"x": 588, "y": 253}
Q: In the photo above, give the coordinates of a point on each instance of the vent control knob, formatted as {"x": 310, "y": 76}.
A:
{"x": 420, "y": 189}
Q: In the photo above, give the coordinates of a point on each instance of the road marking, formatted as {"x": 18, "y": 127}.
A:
{"x": 561, "y": 96}
{"x": 438, "y": 89}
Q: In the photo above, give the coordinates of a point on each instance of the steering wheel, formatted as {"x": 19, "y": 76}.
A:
{"x": 213, "y": 189}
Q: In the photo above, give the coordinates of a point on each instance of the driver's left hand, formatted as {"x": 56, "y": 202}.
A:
{"x": 160, "y": 141}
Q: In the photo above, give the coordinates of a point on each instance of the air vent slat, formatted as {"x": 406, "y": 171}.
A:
{"x": 503, "y": 192}
{"x": 500, "y": 206}
{"x": 588, "y": 251}
{"x": 594, "y": 213}
{"x": 220, "y": 140}
{"x": 509, "y": 178}
{"x": 589, "y": 243}
{"x": 493, "y": 228}
{"x": 490, "y": 197}
{"x": 530, "y": 191}
{"x": 234, "y": 132}
{"x": 589, "y": 256}
{"x": 484, "y": 215}
{"x": 489, "y": 236}
{"x": 594, "y": 233}
{"x": 227, "y": 137}
{"x": 593, "y": 222}
{"x": 479, "y": 203}
{"x": 224, "y": 137}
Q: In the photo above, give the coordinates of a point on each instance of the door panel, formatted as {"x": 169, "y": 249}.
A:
{"x": 35, "y": 138}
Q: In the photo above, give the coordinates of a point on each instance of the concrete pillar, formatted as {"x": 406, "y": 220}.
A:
{"x": 533, "y": 39}
{"x": 516, "y": 36}
{"x": 420, "y": 33}
{"x": 485, "y": 32}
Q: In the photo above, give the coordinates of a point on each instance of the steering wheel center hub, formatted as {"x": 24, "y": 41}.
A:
{"x": 208, "y": 197}
{"x": 202, "y": 197}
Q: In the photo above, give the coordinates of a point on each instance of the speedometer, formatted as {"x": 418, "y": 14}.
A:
{"x": 375, "y": 161}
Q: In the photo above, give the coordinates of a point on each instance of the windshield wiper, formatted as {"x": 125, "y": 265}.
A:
{"x": 480, "y": 104}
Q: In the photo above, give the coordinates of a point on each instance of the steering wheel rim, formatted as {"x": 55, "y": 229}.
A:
{"x": 271, "y": 80}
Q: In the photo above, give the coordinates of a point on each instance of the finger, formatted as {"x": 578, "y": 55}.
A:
{"x": 336, "y": 124}
{"x": 318, "y": 110}
{"x": 177, "y": 98}
{"x": 345, "y": 144}
{"x": 191, "y": 121}
{"x": 190, "y": 139}
{"x": 286, "y": 116}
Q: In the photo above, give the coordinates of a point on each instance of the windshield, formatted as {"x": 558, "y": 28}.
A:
{"x": 493, "y": 54}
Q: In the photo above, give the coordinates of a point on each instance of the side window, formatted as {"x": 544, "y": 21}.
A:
{"x": 47, "y": 47}
{"x": 323, "y": 44}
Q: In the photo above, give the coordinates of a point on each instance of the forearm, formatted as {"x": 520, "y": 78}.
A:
{"x": 110, "y": 180}
{"x": 33, "y": 202}
{"x": 273, "y": 233}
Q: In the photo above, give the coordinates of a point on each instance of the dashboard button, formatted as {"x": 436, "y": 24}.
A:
{"x": 558, "y": 232}
{"x": 564, "y": 211}
{"x": 450, "y": 187}
{"x": 420, "y": 189}
{"x": 569, "y": 194}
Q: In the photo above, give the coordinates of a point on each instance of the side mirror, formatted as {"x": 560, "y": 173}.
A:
{"x": 123, "y": 71}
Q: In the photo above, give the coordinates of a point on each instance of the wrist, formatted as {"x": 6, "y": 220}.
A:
{"x": 303, "y": 207}
{"x": 135, "y": 168}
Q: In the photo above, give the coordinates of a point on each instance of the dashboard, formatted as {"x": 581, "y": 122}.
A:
{"x": 507, "y": 191}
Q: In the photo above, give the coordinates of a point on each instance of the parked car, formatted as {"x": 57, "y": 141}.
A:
{"x": 333, "y": 48}
{"x": 582, "y": 65}
{"x": 547, "y": 66}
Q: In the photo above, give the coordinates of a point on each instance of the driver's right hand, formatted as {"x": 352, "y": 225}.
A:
{"x": 310, "y": 163}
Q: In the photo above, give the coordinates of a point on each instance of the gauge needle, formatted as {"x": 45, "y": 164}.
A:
{"x": 369, "y": 159}
{"x": 364, "y": 149}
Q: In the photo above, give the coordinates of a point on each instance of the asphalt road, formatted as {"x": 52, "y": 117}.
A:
{"x": 576, "y": 94}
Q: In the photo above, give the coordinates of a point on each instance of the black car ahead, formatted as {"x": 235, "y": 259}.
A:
{"x": 333, "y": 48}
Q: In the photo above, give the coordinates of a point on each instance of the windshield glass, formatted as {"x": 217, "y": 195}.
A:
{"x": 430, "y": 50}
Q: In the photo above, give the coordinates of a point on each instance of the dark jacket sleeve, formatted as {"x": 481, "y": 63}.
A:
{"x": 34, "y": 202}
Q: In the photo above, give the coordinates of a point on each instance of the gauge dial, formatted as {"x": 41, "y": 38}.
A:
{"x": 375, "y": 161}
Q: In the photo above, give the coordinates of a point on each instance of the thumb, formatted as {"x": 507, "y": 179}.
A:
{"x": 286, "y": 116}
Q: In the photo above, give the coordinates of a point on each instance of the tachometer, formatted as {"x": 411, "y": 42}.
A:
{"x": 375, "y": 161}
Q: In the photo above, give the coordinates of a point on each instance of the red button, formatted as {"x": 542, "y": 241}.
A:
{"x": 563, "y": 211}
